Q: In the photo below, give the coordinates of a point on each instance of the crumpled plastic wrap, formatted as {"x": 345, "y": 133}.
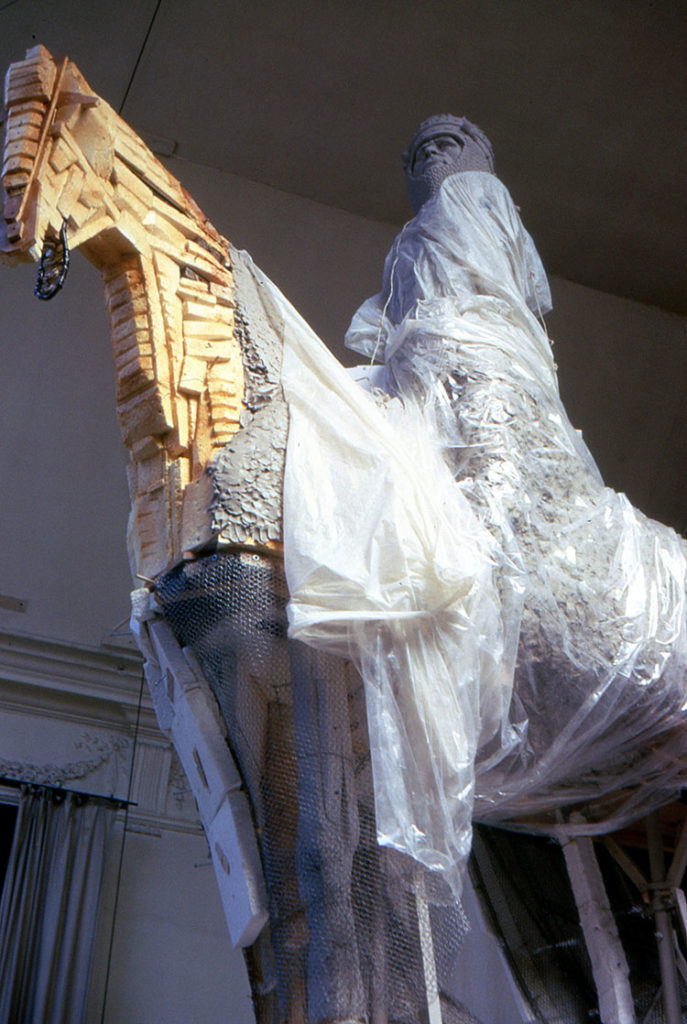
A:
{"x": 520, "y": 628}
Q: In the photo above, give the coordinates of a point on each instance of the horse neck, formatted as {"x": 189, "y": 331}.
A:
{"x": 179, "y": 371}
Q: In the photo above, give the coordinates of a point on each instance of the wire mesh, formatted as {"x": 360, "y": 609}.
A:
{"x": 356, "y": 932}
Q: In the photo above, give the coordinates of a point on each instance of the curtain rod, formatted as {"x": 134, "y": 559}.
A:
{"x": 117, "y": 802}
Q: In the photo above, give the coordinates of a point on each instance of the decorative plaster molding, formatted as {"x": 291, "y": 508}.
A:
{"x": 85, "y": 702}
{"x": 51, "y": 774}
{"x": 71, "y": 667}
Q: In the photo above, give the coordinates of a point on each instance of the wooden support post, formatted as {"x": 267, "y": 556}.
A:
{"x": 660, "y": 908}
{"x": 429, "y": 968}
{"x": 609, "y": 964}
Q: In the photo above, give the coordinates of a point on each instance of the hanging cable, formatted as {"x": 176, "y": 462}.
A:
{"x": 140, "y": 55}
{"x": 121, "y": 849}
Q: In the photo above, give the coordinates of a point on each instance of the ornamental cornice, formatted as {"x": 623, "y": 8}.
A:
{"x": 71, "y": 718}
{"x": 71, "y": 668}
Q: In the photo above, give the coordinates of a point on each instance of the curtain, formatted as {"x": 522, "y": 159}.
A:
{"x": 49, "y": 908}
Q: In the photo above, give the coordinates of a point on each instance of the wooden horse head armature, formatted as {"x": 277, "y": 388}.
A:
{"x": 73, "y": 168}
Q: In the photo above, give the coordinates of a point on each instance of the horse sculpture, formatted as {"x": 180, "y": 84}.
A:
{"x": 197, "y": 342}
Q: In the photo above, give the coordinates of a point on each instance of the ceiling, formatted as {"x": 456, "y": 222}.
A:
{"x": 584, "y": 101}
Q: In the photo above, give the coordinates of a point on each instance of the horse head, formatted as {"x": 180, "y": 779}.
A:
{"x": 75, "y": 176}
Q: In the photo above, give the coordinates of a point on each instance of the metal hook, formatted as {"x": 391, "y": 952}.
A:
{"x": 53, "y": 266}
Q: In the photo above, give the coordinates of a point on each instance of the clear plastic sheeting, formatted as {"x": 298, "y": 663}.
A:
{"x": 520, "y": 628}
{"x": 388, "y": 565}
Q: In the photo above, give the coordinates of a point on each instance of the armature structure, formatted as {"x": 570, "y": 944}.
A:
{"x": 519, "y": 629}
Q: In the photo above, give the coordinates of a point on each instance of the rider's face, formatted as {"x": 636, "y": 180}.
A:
{"x": 441, "y": 149}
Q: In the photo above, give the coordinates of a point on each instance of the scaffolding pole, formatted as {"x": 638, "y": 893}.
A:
{"x": 661, "y": 903}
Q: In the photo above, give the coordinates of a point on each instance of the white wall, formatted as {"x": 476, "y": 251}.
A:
{"x": 171, "y": 958}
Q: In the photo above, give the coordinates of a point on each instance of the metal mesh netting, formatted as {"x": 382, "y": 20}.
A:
{"x": 357, "y": 932}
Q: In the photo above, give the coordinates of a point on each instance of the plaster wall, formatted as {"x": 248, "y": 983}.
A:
{"x": 172, "y": 962}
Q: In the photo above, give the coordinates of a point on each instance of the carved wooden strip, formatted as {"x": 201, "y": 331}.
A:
{"x": 129, "y": 347}
{"x": 222, "y": 381}
{"x": 182, "y": 441}
{"x": 32, "y": 79}
{"x": 134, "y": 308}
{"x": 197, "y": 290}
{"x": 151, "y": 539}
{"x": 211, "y": 351}
{"x": 145, "y": 448}
{"x": 82, "y": 216}
{"x": 124, "y": 284}
{"x": 124, "y": 355}
{"x": 135, "y": 375}
{"x": 28, "y": 88}
{"x": 21, "y": 162}
{"x": 193, "y": 374}
{"x": 95, "y": 183}
{"x": 91, "y": 236}
{"x": 29, "y": 113}
{"x": 22, "y": 147}
{"x": 134, "y": 324}
{"x": 150, "y": 472}
{"x": 167, "y": 271}
{"x": 222, "y": 399}
{"x": 61, "y": 156}
{"x": 70, "y": 191}
{"x": 199, "y": 259}
{"x": 172, "y": 240}
{"x": 225, "y": 413}
{"x": 14, "y": 184}
{"x": 129, "y": 191}
{"x": 90, "y": 196}
{"x": 224, "y": 428}
{"x": 184, "y": 221}
{"x": 127, "y": 201}
{"x": 210, "y": 328}
{"x": 16, "y": 132}
{"x": 193, "y": 407}
{"x": 168, "y": 248}
{"x": 183, "y": 464}
{"x": 224, "y": 294}
{"x": 193, "y": 310}
{"x": 143, "y": 163}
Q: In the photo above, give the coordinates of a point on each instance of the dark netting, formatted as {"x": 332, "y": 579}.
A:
{"x": 356, "y": 932}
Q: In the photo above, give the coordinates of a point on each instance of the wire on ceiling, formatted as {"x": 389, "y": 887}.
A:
{"x": 158, "y": 5}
